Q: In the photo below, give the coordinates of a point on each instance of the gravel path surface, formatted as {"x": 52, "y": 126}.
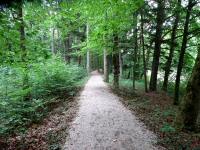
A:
{"x": 103, "y": 123}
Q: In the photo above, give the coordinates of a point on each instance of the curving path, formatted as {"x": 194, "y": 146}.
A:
{"x": 103, "y": 123}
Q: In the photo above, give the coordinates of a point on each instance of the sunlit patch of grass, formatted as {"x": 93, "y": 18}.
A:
{"x": 128, "y": 83}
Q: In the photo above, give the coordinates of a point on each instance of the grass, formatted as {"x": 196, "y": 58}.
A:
{"x": 128, "y": 83}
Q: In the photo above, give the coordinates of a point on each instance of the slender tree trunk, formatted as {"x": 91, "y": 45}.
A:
{"x": 79, "y": 60}
{"x": 106, "y": 66}
{"x": 59, "y": 42}
{"x": 135, "y": 68}
{"x": 172, "y": 47}
{"x": 80, "y": 63}
{"x": 158, "y": 42}
{"x": 129, "y": 74}
{"x": 182, "y": 52}
{"x": 138, "y": 62}
{"x": 116, "y": 70}
{"x": 24, "y": 56}
{"x": 66, "y": 49}
{"x": 143, "y": 52}
{"x": 70, "y": 47}
{"x": 120, "y": 64}
{"x": 22, "y": 36}
{"x": 148, "y": 54}
{"x": 88, "y": 52}
{"x": 97, "y": 63}
{"x": 53, "y": 50}
{"x": 189, "y": 108}
{"x": 106, "y": 56}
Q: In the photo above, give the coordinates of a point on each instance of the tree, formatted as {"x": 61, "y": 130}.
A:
{"x": 191, "y": 4}
{"x": 116, "y": 70}
{"x": 53, "y": 50}
{"x": 189, "y": 107}
{"x": 24, "y": 57}
{"x": 135, "y": 52}
{"x": 88, "y": 51}
{"x": 172, "y": 46}
{"x": 143, "y": 52}
{"x": 158, "y": 41}
{"x": 106, "y": 66}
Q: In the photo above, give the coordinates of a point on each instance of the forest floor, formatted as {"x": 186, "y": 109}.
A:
{"x": 98, "y": 119}
{"x": 50, "y": 134}
{"x": 157, "y": 112}
{"x": 103, "y": 123}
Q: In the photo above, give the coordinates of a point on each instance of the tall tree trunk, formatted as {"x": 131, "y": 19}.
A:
{"x": 182, "y": 52}
{"x": 148, "y": 54}
{"x": 116, "y": 70}
{"x": 68, "y": 46}
{"x": 135, "y": 53}
{"x": 172, "y": 47}
{"x": 53, "y": 50}
{"x": 143, "y": 52}
{"x": 88, "y": 52}
{"x": 107, "y": 63}
{"x": 106, "y": 66}
{"x": 158, "y": 42}
{"x": 189, "y": 108}
{"x": 79, "y": 60}
{"x": 78, "y": 41}
{"x": 66, "y": 43}
{"x": 24, "y": 56}
{"x": 120, "y": 64}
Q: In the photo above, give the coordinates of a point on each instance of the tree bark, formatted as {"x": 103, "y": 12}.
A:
{"x": 116, "y": 70}
{"x": 24, "y": 59}
{"x": 189, "y": 108}
{"x": 68, "y": 47}
{"x": 172, "y": 47}
{"x": 182, "y": 52}
{"x": 88, "y": 52}
{"x": 158, "y": 42}
{"x": 79, "y": 60}
{"x": 53, "y": 50}
{"x": 143, "y": 52}
{"x": 22, "y": 35}
{"x": 135, "y": 54}
{"x": 66, "y": 43}
{"x": 106, "y": 66}
{"x": 120, "y": 64}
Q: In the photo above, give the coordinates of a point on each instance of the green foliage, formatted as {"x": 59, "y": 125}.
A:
{"x": 167, "y": 128}
{"x": 55, "y": 76}
{"x": 168, "y": 112}
{"x": 46, "y": 80}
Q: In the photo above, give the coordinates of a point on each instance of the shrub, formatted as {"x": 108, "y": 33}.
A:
{"x": 46, "y": 80}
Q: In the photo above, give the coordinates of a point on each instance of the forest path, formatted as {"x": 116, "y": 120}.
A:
{"x": 103, "y": 123}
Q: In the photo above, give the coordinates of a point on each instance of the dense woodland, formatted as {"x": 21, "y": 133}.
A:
{"x": 48, "y": 47}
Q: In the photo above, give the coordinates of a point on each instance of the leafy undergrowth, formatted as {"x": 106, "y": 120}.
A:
{"x": 158, "y": 114}
{"x": 51, "y": 133}
{"x": 52, "y": 84}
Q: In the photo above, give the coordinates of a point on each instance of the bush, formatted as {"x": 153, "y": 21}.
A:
{"x": 46, "y": 80}
{"x": 54, "y": 77}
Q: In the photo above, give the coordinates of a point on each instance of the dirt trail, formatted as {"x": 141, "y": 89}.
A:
{"x": 103, "y": 123}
